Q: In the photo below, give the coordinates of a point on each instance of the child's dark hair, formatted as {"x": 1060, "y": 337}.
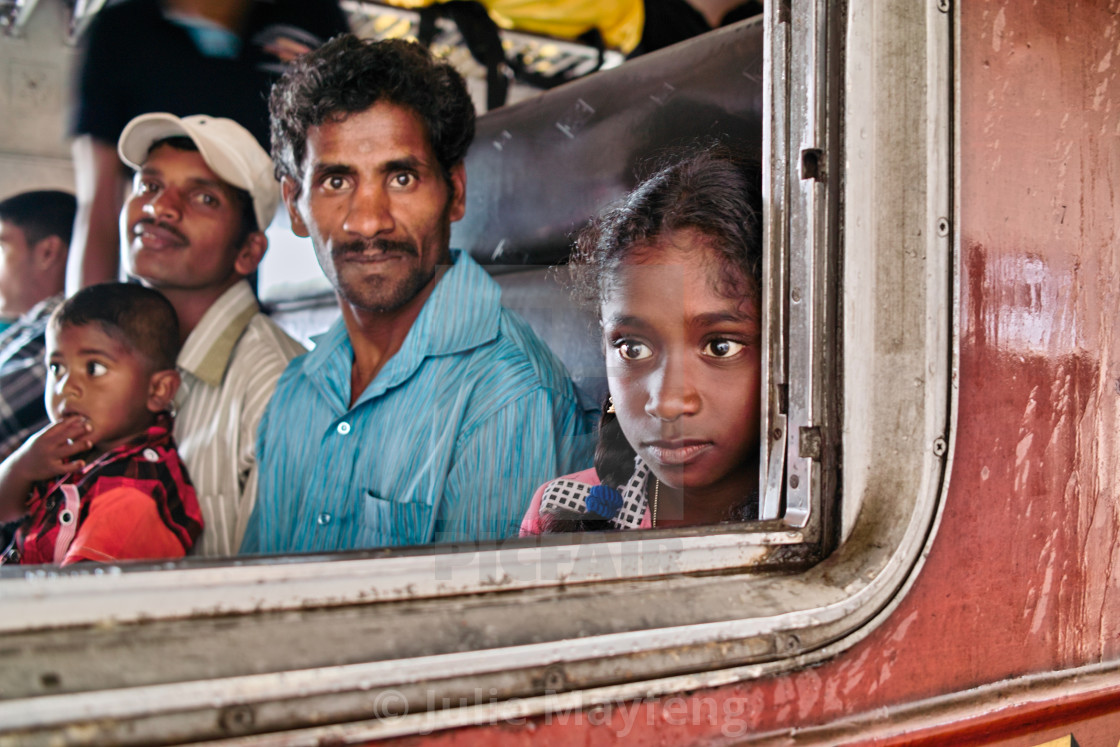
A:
{"x": 706, "y": 189}
{"x": 137, "y": 316}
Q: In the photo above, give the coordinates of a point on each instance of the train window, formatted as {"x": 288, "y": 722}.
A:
{"x": 855, "y": 114}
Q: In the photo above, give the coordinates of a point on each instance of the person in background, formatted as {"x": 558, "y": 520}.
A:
{"x": 104, "y": 482}
{"x": 178, "y": 56}
{"x": 427, "y": 412}
{"x": 193, "y": 229}
{"x": 674, "y": 270}
{"x": 34, "y": 239}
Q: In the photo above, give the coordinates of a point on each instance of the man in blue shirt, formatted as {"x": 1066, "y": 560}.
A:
{"x": 427, "y": 413}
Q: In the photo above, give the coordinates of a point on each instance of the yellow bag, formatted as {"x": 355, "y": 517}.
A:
{"x": 619, "y": 21}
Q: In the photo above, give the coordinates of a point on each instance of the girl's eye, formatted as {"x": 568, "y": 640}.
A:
{"x": 95, "y": 369}
{"x": 722, "y": 348}
{"x": 629, "y": 350}
{"x": 56, "y": 369}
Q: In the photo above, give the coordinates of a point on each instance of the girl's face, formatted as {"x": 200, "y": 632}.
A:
{"x": 683, "y": 367}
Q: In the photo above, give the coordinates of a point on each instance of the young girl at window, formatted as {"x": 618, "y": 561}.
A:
{"x": 674, "y": 271}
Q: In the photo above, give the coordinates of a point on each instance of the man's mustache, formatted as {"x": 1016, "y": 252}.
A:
{"x": 143, "y": 223}
{"x": 385, "y": 246}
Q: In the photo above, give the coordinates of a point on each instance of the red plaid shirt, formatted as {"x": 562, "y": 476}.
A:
{"x": 136, "y": 502}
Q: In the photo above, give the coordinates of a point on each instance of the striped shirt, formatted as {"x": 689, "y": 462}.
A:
{"x": 23, "y": 376}
{"x": 229, "y": 363}
{"x": 446, "y": 443}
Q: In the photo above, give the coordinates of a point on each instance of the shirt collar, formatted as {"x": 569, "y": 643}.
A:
{"x": 463, "y": 312}
{"x": 209, "y": 347}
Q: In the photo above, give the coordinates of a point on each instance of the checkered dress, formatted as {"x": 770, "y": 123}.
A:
{"x": 570, "y": 496}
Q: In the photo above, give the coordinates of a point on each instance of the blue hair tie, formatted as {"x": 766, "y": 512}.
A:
{"x": 604, "y": 501}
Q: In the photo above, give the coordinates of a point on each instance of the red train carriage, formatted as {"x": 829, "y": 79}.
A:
{"x": 937, "y": 560}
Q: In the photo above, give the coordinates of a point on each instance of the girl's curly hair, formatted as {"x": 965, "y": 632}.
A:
{"x": 707, "y": 189}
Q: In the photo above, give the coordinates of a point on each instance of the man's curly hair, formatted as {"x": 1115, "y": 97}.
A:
{"x": 348, "y": 75}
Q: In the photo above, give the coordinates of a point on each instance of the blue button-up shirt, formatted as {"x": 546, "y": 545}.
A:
{"x": 447, "y": 443}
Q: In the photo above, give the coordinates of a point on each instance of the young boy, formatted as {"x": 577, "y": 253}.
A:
{"x": 104, "y": 481}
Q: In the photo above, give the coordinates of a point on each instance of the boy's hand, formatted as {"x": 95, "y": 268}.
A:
{"x": 48, "y": 453}
{"x": 51, "y": 451}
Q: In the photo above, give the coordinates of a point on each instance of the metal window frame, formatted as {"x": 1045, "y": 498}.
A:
{"x": 376, "y": 644}
{"x": 802, "y": 267}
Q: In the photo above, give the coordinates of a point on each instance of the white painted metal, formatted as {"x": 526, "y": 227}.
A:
{"x": 103, "y": 595}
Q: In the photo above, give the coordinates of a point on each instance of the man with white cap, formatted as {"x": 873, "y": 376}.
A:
{"x": 192, "y": 228}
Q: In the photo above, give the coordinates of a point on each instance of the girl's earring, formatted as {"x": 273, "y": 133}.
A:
{"x": 610, "y": 405}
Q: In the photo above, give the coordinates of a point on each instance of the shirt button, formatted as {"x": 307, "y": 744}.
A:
{"x": 343, "y": 428}
{"x": 323, "y": 519}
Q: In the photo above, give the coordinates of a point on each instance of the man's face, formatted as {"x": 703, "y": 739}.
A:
{"x": 16, "y": 268}
{"x": 377, "y": 206}
{"x": 181, "y": 224}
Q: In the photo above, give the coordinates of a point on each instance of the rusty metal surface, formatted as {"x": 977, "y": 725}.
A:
{"x": 1022, "y": 576}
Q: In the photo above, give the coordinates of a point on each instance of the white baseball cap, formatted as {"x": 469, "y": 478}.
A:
{"x": 229, "y": 150}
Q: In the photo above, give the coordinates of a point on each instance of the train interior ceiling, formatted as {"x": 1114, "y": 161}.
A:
{"x": 557, "y": 133}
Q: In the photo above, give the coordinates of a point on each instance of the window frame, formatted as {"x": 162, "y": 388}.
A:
{"x": 606, "y": 622}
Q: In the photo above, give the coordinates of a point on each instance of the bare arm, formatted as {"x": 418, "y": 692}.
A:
{"x": 99, "y": 183}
